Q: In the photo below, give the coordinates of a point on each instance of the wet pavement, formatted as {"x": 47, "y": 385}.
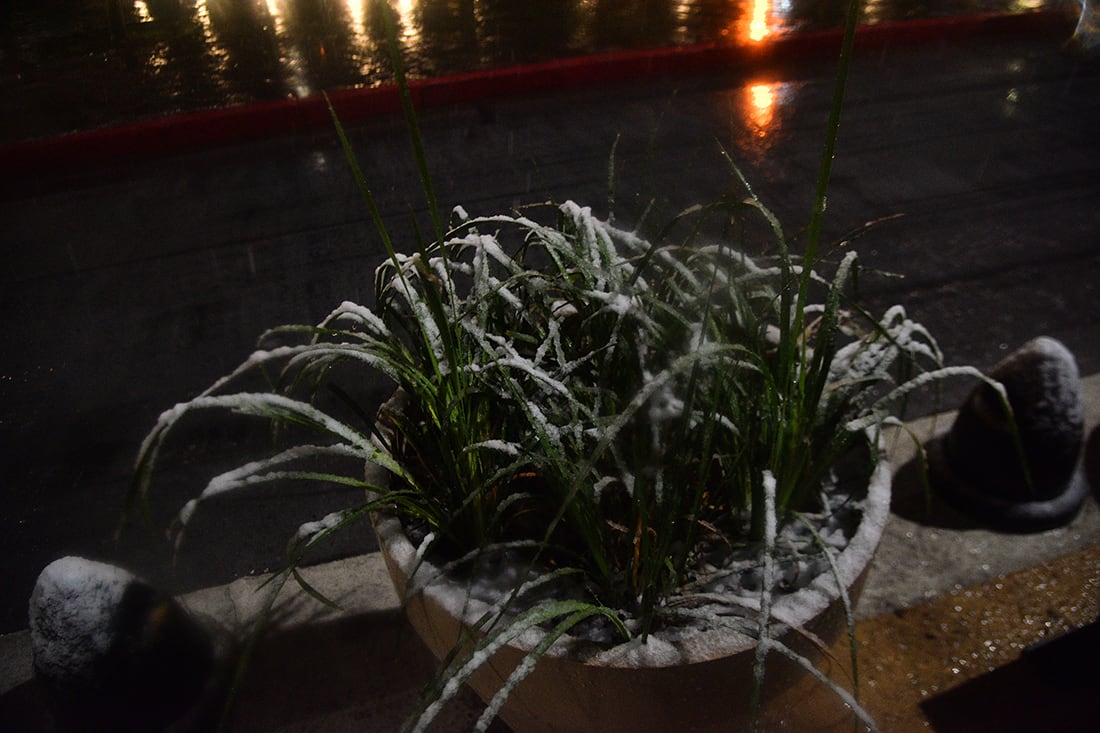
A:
{"x": 133, "y": 284}
{"x": 83, "y": 64}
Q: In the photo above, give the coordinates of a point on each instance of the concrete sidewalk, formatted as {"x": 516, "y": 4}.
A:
{"x": 134, "y": 285}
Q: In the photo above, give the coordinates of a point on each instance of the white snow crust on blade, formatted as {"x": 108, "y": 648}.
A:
{"x": 255, "y": 359}
{"x": 400, "y": 282}
{"x": 621, "y": 304}
{"x": 188, "y": 511}
{"x": 425, "y": 544}
{"x": 547, "y": 428}
{"x": 308, "y": 530}
{"x": 501, "y": 446}
{"x": 349, "y": 310}
{"x": 877, "y": 411}
{"x": 250, "y": 473}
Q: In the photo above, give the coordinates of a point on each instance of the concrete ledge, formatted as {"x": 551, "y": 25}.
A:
{"x": 358, "y": 585}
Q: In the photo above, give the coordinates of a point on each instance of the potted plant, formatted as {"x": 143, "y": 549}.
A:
{"x": 606, "y": 455}
{"x": 645, "y": 448}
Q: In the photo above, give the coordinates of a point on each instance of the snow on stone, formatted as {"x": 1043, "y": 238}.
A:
{"x": 71, "y": 610}
{"x": 1057, "y": 378}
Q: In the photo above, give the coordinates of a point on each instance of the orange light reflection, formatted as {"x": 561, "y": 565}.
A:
{"x": 760, "y": 107}
{"x": 758, "y": 21}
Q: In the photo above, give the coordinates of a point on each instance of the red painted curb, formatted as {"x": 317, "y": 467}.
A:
{"x": 262, "y": 119}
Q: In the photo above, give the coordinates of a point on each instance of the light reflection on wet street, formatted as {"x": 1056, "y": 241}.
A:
{"x": 66, "y": 66}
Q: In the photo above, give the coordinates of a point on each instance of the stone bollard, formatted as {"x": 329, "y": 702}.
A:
{"x": 114, "y": 654}
{"x": 978, "y": 465}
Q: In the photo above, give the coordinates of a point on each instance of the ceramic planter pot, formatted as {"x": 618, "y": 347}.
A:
{"x": 707, "y": 688}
